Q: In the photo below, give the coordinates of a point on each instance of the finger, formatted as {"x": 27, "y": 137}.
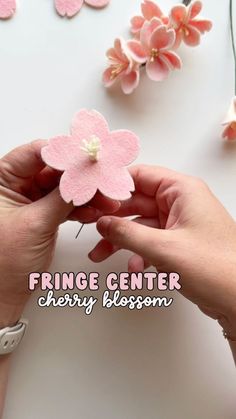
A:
{"x": 49, "y": 212}
{"x": 147, "y": 179}
{"x": 137, "y": 264}
{"x": 104, "y": 249}
{"x": 18, "y": 166}
{"x": 145, "y": 241}
{"x": 104, "y": 204}
{"x": 47, "y": 179}
{"x": 138, "y": 204}
{"x": 85, "y": 215}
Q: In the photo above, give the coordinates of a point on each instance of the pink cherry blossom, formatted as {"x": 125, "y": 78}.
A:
{"x": 230, "y": 122}
{"x": 121, "y": 67}
{"x": 7, "y": 8}
{"x": 187, "y": 27}
{"x": 149, "y": 10}
{"x": 92, "y": 158}
{"x": 154, "y": 50}
{"x": 69, "y": 8}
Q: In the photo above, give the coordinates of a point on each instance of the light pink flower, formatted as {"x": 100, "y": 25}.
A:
{"x": 93, "y": 158}
{"x": 7, "y": 8}
{"x": 121, "y": 67}
{"x": 154, "y": 50}
{"x": 69, "y": 8}
{"x": 230, "y": 122}
{"x": 187, "y": 27}
{"x": 149, "y": 10}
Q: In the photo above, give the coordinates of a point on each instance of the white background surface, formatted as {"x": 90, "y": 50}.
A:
{"x": 171, "y": 364}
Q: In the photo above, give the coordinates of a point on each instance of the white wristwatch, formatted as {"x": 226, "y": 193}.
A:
{"x": 10, "y": 337}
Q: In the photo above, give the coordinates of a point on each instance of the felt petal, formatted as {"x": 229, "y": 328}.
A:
{"x": 7, "y": 8}
{"x": 178, "y": 14}
{"x": 78, "y": 185}
{"x": 117, "y": 184}
{"x": 97, "y": 3}
{"x": 150, "y": 10}
{"x": 137, "y": 24}
{"x": 178, "y": 38}
{"x": 231, "y": 115}
{"x": 202, "y": 25}
{"x": 230, "y": 132}
{"x": 173, "y": 59}
{"x": 108, "y": 77}
{"x": 88, "y": 123}
{"x": 162, "y": 38}
{"x": 122, "y": 148}
{"x": 191, "y": 36}
{"x": 194, "y": 9}
{"x": 68, "y": 7}
{"x": 61, "y": 152}
{"x": 147, "y": 30}
{"x": 137, "y": 51}
{"x": 157, "y": 70}
{"x": 130, "y": 81}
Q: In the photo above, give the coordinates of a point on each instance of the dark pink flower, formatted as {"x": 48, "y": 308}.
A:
{"x": 149, "y": 10}
{"x": 187, "y": 27}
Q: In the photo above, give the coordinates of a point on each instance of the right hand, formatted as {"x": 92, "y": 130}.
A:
{"x": 181, "y": 227}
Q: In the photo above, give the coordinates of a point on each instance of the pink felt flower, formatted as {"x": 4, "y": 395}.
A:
{"x": 69, "y": 8}
{"x": 121, "y": 67}
{"x": 93, "y": 158}
{"x": 7, "y": 8}
{"x": 230, "y": 122}
{"x": 188, "y": 28}
{"x": 149, "y": 10}
{"x": 154, "y": 49}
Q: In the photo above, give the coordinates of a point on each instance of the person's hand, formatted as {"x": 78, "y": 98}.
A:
{"x": 181, "y": 227}
{"x": 31, "y": 210}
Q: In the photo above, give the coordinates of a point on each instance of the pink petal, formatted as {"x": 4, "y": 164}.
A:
{"x": 157, "y": 70}
{"x": 147, "y": 30}
{"x": 137, "y": 51}
{"x": 122, "y": 148}
{"x": 61, "y": 152}
{"x": 178, "y": 38}
{"x": 201, "y": 25}
{"x": 97, "y": 3}
{"x": 7, "y": 8}
{"x": 78, "y": 184}
{"x": 150, "y": 10}
{"x": 162, "y": 38}
{"x": 130, "y": 81}
{"x": 191, "y": 36}
{"x": 108, "y": 78}
{"x": 231, "y": 114}
{"x": 87, "y": 123}
{"x": 230, "y": 133}
{"x": 117, "y": 184}
{"x": 194, "y": 9}
{"x": 137, "y": 24}
{"x": 68, "y": 7}
{"x": 173, "y": 59}
{"x": 178, "y": 14}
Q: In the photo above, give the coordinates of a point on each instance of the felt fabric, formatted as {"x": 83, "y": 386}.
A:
{"x": 149, "y": 10}
{"x": 69, "y": 8}
{"x": 7, "y": 8}
{"x": 83, "y": 176}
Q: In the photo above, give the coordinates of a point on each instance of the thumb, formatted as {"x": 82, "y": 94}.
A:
{"x": 50, "y": 211}
{"x": 150, "y": 243}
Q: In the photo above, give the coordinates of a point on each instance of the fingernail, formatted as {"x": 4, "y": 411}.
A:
{"x": 103, "y": 225}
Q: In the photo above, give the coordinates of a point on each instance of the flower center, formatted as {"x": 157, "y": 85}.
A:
{"x": 185, "y": 31}
{"x": 92, "y": 147}
{"x": 116, "y": 70}
{"x": 153, "y": 54}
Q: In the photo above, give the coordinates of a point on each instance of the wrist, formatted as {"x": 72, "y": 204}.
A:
{"x": 9, "y": 314}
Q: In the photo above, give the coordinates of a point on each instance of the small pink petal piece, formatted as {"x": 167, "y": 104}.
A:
{"x": 92, "y": 158}
{"x": 97, "y": 3}
{"x": 192, "y": 36}
{"x": 173, "y": 59}
{"x": 202, "y": 25}
{"x": 68, "y": 8}
{"x": 130, "y": 82}
{"x": 194, "y": 9}
{"x": 137, "y": 51}
{"x": 158, "y": 69}
{"x": 7, "y": 8}
{"x": 179, "y": 13}
{"x": 150, "y": 10}
{"x": 137, "y": 24}
{"x": 162, "y": 38}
